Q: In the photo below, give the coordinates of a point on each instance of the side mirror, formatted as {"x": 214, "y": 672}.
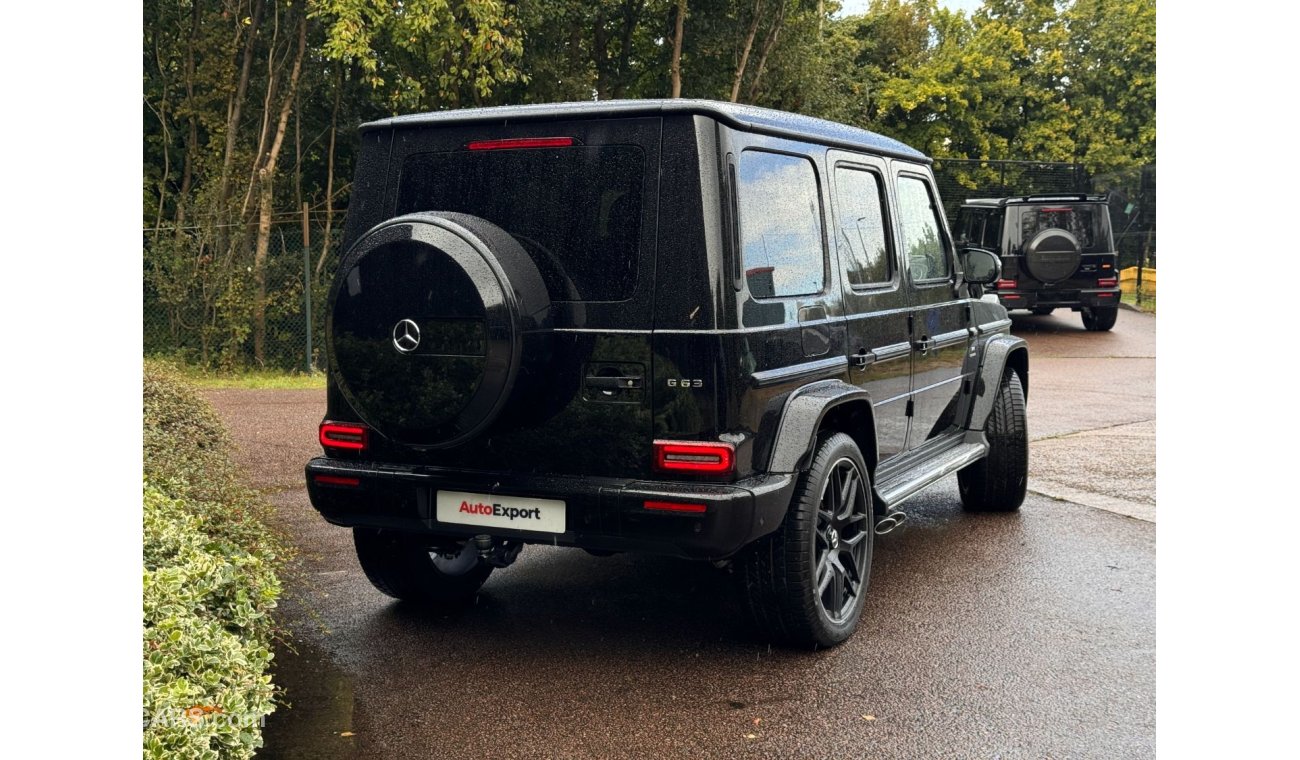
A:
{"x": 981, "y": 267}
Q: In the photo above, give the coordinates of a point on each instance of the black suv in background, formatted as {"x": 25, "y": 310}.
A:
{"x": 1057, "y": 252}
{"x": 677, "y": 327}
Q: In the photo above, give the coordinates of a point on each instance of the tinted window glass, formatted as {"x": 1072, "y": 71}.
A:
{"x": 919, "y": 221}
{"x": 993, "y": 232}
{"x": 780, "y": 225}
{"x": 860, "y": 227}
{"x": 576, "y": 210}
{"x": 968, "y": 226}
{"x": 1087, "y": 223}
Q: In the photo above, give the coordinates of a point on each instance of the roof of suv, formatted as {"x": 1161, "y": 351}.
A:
{"x": 750, "y": 118}
{"x": 1072, "y": 197}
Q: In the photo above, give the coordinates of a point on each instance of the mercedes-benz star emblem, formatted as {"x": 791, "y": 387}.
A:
{"x": 406, "y": 336}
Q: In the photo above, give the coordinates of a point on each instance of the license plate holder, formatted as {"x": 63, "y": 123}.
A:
{"x": 526, "y": 513}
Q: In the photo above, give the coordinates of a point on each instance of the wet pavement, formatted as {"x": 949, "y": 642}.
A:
{"x": 1029, "y": 635}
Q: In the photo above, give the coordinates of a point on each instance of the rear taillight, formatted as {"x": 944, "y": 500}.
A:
{"x": 1007, "y": 284}
{"x": 1107, "y": 282}
{"x": 710, "y": 457}
{"x": 521, "y": 142}
{"x": 344, "y": 435}
{"x": 673, "y": 506}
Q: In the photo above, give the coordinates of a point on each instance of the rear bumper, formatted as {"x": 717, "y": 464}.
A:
{"x": 1071, "y": 298}
{"x": 600, "y": 514}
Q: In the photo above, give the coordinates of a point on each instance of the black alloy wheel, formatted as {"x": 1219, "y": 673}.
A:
{"x": 843, "y": 527}
{"x": 805, "y": 585}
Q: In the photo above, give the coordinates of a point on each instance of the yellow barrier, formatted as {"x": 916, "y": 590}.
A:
{"x": 1128, "y": 280}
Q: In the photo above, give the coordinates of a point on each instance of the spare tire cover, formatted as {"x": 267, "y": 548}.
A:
{"x": 1052, "y": 255}
{"x": 427, "y": 325}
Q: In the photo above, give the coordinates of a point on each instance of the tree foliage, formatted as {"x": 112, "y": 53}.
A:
{"x": 251, "y": 105}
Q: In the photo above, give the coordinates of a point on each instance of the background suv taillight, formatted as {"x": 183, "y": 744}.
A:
{"x": 346, "y": 436}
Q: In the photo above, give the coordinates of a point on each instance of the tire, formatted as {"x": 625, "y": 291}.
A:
{"x": 997, "y": 482}
{"x": 405, "y": 569}
{"x": 1099, "y": 319}
{"x": 805, "y": 585}
{"x": 1042, "y": 311}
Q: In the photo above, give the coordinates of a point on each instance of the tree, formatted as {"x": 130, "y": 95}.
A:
{"x": 424, "y": 54}
{"x": 679, "y": 29}
{"x": 1111, "y": 57}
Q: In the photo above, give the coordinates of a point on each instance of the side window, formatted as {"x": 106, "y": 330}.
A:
{"x": 993, "y": 232}
{"x": 860, "y": 227}
{"x": 780, "y": 225}
{"x": 968, "y": 226}
{"x": 919, "y": 221}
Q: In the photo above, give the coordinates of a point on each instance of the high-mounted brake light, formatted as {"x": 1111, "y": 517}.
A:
{"x": 1107, "y": 282}
{"x": 344, "y": 435}
{"x": 1006, "y": 284}
{"x": 521, "y": 142}
{"x": 694, "y": 456}
{"x": 1055, "y": 210}
{"x": 673, "y": 506}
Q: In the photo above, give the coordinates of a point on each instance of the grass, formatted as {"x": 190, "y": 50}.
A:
{"x": 1148, "y": 302}
{"x": 253, "y": 378}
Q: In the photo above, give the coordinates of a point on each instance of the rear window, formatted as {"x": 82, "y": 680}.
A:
{"x": 576, "y": 210}
{"x": 1090, "y": 224}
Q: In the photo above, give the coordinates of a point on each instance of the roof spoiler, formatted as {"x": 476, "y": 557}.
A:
{"x": 1052, "y": 198}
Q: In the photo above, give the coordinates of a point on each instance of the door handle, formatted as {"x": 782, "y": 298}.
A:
{"x": 605, "y": 382}
{"x": 924, "y": 344}
{"x": 862, "y": 358}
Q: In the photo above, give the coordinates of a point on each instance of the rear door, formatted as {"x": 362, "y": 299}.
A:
{"x": 940, "y": 318}
{"x": 581, "y": 197}
{"x": 1089, "y": 223}
{"x": 874, "y": 292}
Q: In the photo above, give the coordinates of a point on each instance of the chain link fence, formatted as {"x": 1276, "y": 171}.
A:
{"x": 200, "y": 296}
{"x": 1132, "y": 195}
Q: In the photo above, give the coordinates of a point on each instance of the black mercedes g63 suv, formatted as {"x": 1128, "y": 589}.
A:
{"x": 1057, "y": 252}
{"x": 680, "y": 327}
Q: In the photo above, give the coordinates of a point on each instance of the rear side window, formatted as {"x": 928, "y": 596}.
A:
{"x": 780, "y": 225}
{"x": 860, "y": 227}
{"x": 969, "y": 229}
{"x": 576, "y": 210}
{"x": 919, "y": 221}
{"x": 993, "y": 232}
{"x": 1090, "y": 224}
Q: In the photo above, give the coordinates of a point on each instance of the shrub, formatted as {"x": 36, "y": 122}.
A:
{"x": 210, "y": 584}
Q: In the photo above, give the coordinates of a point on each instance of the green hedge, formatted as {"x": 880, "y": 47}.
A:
{"x": 210, "y": 583}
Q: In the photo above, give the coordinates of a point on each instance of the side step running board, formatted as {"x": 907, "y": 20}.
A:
{"x": 905, "y": 484}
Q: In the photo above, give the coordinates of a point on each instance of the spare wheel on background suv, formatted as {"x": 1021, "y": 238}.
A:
{"x": 1052, "y": 255}
{"x": 434, "y": 315}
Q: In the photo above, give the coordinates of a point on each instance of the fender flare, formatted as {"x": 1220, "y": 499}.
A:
{"x": 802, "y": 416}
{"x": 1000, "y": 351}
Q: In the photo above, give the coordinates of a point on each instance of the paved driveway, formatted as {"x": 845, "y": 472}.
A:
{"x": 1029, "y": 635}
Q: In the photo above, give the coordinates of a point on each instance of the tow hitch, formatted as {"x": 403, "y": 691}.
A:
{"x": 497, "y": 552}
